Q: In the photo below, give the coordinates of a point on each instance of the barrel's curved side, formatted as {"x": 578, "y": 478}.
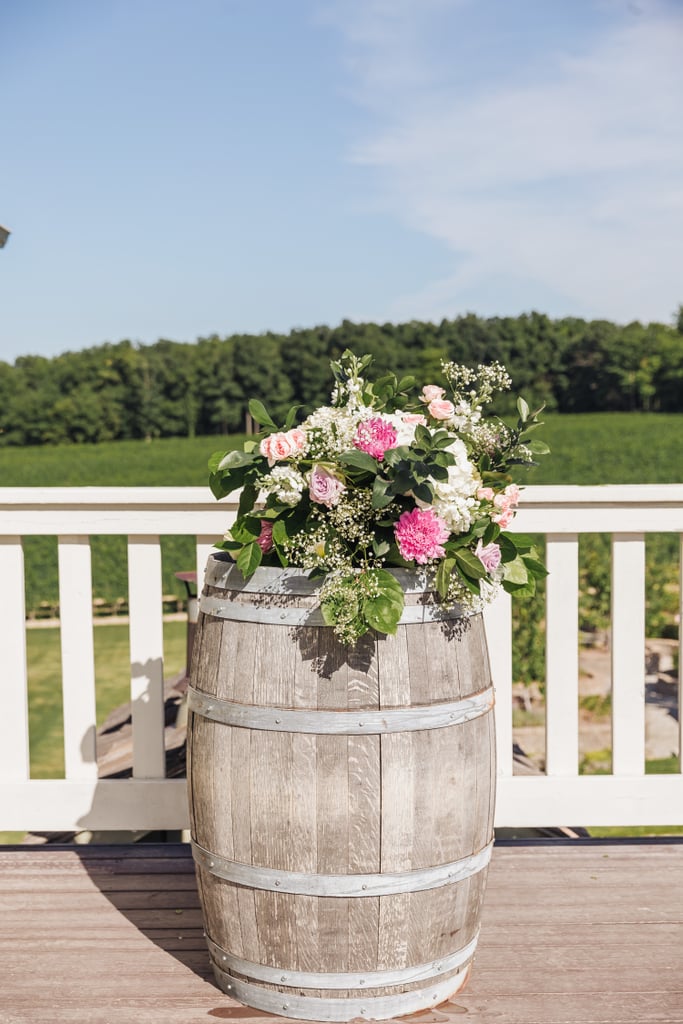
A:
{"x": 392, "y": 803}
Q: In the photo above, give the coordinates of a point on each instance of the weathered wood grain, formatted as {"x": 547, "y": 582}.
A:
{"x": 339, "y": 804}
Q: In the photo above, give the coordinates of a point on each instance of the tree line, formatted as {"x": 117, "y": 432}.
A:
{"x": 124, "y": 390}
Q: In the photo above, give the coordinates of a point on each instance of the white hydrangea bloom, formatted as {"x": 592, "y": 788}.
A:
{"x": 285, "y": 482}
{"x": 455, "y": 499}
{"x": 405, "y": 431}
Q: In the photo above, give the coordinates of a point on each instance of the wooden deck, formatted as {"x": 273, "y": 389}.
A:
{"x": 572, "y": 932}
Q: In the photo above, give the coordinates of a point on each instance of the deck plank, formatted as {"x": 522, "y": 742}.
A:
{"x": 572, "y": 933}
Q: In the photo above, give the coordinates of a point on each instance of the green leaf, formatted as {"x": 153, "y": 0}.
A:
{"x": 523, "y": 410}
{"x": 234, "y": 460}
{"x": 247, "y": 499}
{"x": 516, "y": 571}
{"x": 245, "y": 529}
{"x": 527, "y": 589}
{"x": 424, "y": 492}
{"x": 384, "y": 611}
{"x": 538, "y": 448}
{"x": 472, "y": 585}
{"x": 508, "y": 547}
{"x": 521, "y": 541}
{"x": 359, "y": 460}
{"x": 291, "y": 417}
{"x": 443, "y": 576}
{"x": 422, "y": 435}
{"x": 536, "y": 568}
{"x": 227, "y": 545}
{"x": 491, "y": 533}
{"x": 406, "y": 383}
{"x": 380, "y": 496}
{"x": 249, "y": 559}
{"x": 280, "y": 534}
{"x": 470, "y": 564}
{"x": 380, "y": 547}
{"x": 381, "y": 614}
{"x": 260, "y": 414}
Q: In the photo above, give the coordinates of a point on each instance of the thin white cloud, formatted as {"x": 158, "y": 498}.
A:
{"x": 567, "y": 179}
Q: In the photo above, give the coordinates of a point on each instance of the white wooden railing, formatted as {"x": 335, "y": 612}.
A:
{"x": 148, "y": 801}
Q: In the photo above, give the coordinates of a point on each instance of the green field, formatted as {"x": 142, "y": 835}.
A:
{"x": 589, "y": 448}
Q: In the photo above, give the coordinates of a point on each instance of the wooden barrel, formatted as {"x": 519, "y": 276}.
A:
{"x": 341, "y": 798}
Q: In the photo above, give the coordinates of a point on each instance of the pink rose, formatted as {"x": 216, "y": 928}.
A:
{"x": 441, "y": 409}
{"x": 277, "y": 447}
{"x": 431, "y": 391}
{"x": 414, "y": 418}
{"x": 375, "y": 436}
{"x": 504, "y": 518}
{"x": 512, "y": 493}
{"x": 489, "y": 556}
{"x": 265, "y": 537}
{"x": 506, "y": 502}
{"x": 420, "y": 535}
{"x": 324, "y": 487}
{"x": 485, "y": 494}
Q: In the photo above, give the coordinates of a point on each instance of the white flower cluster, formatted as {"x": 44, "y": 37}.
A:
{"x": 455, "y": 499}
{"x": 480, "y": 385}
{"x": 330, "y": 431}
{"x": 285, "y": 482}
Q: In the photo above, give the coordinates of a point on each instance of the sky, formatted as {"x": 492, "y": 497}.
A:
{"x": 177, "y": 169}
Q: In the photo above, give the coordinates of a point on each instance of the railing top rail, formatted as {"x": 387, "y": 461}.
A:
{"x": 605, "y": 495}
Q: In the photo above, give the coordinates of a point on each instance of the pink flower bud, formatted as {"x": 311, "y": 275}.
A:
{"x": 431, "y": 391}
{"x": 441, "y": 409}
{"x": 265, "y": 537}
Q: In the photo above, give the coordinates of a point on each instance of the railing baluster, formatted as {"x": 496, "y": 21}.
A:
{"x": 146, "y": 656}
{"x": 14, "y": 752}
{"x": 628, "y": 654}
{"x": 78, "y": 657}
{"x": 205, "y": 547}
{"x": 562, "y": 655}
{"x": 498, "y": 621}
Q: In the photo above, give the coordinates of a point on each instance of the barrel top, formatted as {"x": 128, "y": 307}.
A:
{"x": 222, "y": 572}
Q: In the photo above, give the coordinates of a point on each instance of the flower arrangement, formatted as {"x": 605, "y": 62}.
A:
{"x": 386, "y": 477}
